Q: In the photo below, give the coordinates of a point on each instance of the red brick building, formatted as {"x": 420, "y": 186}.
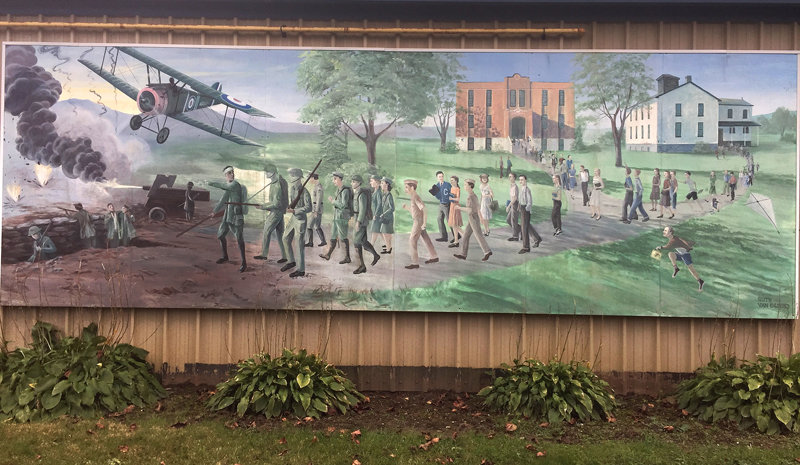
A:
{"x": 492, "y": 114}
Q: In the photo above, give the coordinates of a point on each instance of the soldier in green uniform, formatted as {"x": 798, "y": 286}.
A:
{"x": 315, "y": 218}
{"x": 362, "y": 213}
{"x": 342, "y": 211}
{"x": 275, "y": 208}
{"x": 297, "y": 223}
{"x": 233, "y": 217}
{"x": 43, "y": 246}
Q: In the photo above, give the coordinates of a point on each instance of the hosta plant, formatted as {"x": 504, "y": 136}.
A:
{"x": 764, "y": 393}
{"x": 299, "y": 383}
{"x": 86, "y": 376}
{"x": 554, "y": 391}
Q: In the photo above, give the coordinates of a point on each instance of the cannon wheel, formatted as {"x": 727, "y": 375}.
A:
{"x": 136, "y": 122}
{"x": 162, "y": 135}
{"x": 157, "y": 214}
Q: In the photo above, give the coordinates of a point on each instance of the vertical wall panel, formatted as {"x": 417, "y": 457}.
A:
{"x": 710, "y": 36}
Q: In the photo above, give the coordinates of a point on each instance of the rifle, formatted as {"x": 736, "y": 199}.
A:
{"x": 66, "y": 209}
{"x": 39, "y": 252}
{"x": 216, "y": 215}
{"x": 300, "y": 192}
{"x": 243, "y": 203}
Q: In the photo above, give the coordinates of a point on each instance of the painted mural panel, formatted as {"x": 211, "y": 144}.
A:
{"x": 652, "y": 184}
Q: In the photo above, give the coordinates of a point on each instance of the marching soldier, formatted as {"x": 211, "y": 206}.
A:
{"x": 297, "y": 223}
{"x": 275, "y": 208}
{"x": 315, "y": 222}
{"x": 362, "y": 212}
{"x": 233, "y": 216}
{"x": 342, "y": 211}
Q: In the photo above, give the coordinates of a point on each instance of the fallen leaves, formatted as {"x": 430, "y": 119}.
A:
{"x": 511, "y": 427}
{"x": 427, "y": 444}
{"x": 669, "y": 428}
{"x": 123, "y": 449}
{"x": 355, "y": 436}
{"x": 356, "y": 462}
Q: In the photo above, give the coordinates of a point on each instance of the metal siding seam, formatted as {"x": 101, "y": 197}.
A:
{"x": 491, "y": 354}
{"x": 197, "y": 335}
{"x": 459, "y": 339}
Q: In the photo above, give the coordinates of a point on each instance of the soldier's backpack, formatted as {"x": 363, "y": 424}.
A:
{"x": 350, "y": 202}
{"x": 368, "y": 192}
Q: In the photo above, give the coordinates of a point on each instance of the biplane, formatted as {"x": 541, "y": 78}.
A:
{"x": 172, "y": 99}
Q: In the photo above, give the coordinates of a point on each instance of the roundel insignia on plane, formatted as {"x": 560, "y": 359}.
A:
{"x": 191, "y": 103}
{"x": 235, "y": 102}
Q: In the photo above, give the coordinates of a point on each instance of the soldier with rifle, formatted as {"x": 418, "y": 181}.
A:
{"x": 43, "y": 246}
{"x": 231, "y": 204}
{"x": 85, "y": 226}
{"x": 275, "y": 208}
{"x": 300, "y": 206}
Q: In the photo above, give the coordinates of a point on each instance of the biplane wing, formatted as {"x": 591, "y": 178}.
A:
{"x": 198, "y": 86}
{"x": 216, "y": 131}
{"x": 120, "y": 84}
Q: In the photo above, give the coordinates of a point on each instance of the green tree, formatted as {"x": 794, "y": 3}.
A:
{"x": 611, "y": 85}
{"x": 783, "y": 119}
{"x": 359, "y": 88}
{"x": 446, "y": 71}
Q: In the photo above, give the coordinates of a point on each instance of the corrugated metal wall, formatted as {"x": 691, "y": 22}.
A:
{"x": 614, "y": 345}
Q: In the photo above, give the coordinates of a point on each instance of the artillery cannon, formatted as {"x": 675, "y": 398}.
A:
{"x": 163, "y": 200}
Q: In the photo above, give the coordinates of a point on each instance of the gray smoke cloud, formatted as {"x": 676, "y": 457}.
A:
{"x": 30, "y": 92}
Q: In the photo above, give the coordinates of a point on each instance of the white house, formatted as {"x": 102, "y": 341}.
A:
{"x": 735, "y": 121}
{"x": 681, "y": 116}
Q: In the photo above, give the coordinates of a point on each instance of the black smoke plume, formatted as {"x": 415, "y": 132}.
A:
{"x": 30, "y": 92}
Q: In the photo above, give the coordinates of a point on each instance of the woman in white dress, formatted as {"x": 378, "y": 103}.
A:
{"x": 487, "y": 195}
{"x": 597, "y": 188}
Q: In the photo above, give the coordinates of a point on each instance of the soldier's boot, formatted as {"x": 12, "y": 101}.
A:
{"x": 310, "y": 242}
{"x": 360, "y": 255}
{"x": 327, "y": 255}
{"x": 224, "y": 243}
{"x": 244, "y": 261}
{"x": 346, "y": 258}
{"x": 321, "y": 235}
{"x": 375, "y": 255}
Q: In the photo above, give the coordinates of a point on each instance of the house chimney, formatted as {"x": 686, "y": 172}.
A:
{"x": 667, "y": 82}
{"x": 688, "y": 78}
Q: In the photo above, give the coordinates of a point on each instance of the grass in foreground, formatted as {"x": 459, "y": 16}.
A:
{"x": 392, "y": 428}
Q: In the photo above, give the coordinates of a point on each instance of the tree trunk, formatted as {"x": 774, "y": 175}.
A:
{"x": 371, "y": 140}
{"x": 443, "y": 141}
{"x": 617, "y": 133}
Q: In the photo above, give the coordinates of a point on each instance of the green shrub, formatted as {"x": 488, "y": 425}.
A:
{"x": 554, "y": 391}
{"x": 789, "y": 137}
{"x": 764, "y": 393}
{"x": 84, "y": 376}
{"x": 450, "y": 147}
{"x": 295, "y": 382}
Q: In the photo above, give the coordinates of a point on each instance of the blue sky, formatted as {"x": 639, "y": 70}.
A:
{"x": 266, "y": 78}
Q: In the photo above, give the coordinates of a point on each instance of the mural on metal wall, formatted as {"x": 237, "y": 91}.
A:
{"x": 653, "y": 184}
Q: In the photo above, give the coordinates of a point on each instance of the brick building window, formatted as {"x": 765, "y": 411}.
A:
{"x": 488, "y": 145}
{"x": 489, "y": 98}
{"x": 471, "y": 121}
{"x": 561, "y": 98}
{"x": 522, "y": 98}
{"x": 470, "y": 98}
{"x": 512, "y": 98}
{"x": 544, "y": 97}
{"x": 488, "y": 121}
{"x": 470, "y": 143}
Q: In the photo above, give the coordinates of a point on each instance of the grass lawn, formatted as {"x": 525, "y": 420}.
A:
{"x": 392, "y": 427}
{"x": 745, "y": 261}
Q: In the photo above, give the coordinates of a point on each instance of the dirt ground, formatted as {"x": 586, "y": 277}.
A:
{"x": 448, "y": 414}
